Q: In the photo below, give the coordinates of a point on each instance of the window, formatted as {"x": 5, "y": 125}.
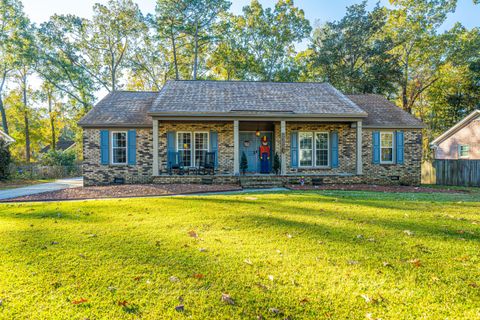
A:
{"x": 321, "y": 149}
{"x": 314, "y": 149}
{"x": 463, "y": 151}
{"x": 193, "y": 147}
{"x": 184, "y": 147}
{"x": 201, "y": 147}
{"x": 119, "y": 147}
{"x": 386, "y": 147}
{"x": 306, "y": 149}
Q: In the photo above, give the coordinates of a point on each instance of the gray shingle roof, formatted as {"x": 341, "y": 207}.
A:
{"x": 383, "y": 113}
{"x": 121, "y": 108}
{"x": 233, "y": 97}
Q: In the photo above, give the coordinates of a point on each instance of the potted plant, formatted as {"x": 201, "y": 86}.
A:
{"x": 243, "y": 163}
{"x": 276, "y": 164}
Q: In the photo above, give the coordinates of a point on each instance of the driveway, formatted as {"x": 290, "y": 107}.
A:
{"x": 40, "y": 188}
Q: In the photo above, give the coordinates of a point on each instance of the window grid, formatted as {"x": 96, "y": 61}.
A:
{"x": 314, "y": 149}
{"x": 119, "y": 147}
{"x": 386, "y": 147}
{"x": 464, "y": 151}
{"x": 191, "y": 151}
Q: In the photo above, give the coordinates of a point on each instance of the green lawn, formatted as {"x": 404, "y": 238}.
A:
{"x": 298, "y": 255}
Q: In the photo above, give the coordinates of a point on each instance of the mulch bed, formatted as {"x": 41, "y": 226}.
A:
{"x": 376, "y": 188}
{"x": 124, "y": 191}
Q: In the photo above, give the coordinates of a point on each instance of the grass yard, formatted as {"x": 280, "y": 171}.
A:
{"x": 296, "y": 255}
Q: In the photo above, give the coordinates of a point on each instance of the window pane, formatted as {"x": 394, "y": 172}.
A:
{"x": 306, "y": 149}
{"x": 464, "y": 151}
{"x": 387, "y": 140}
{"x": 119, "y": 139}
{"x": 387, "y": 154}
{"x": 184, "y": 146}
{"x": 119, "y": 155}
{"x": 321, "y": 151}
{"x": 305, "y": 158}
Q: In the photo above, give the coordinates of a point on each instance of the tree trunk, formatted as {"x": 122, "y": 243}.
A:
{"x": 25, "y": 115}
{"x": 174, "y": 48}
{"x": 52, "y": 122}
{"x": 195, "y": 59}
{"x": 4, "y": 116}
{"x": 2, "y": 109}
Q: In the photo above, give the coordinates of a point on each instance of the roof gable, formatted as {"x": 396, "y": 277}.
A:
{"x": 475, "y": 115}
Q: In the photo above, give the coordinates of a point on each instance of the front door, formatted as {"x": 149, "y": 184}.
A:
{"x": 250, "y": 145}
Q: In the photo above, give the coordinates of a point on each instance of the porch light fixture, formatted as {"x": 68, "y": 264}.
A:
{"x": 258, "y": 133}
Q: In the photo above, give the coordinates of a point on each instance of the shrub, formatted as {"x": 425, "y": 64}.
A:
{"x": 243, "y": 163}
{"x": 5, "y": 160}
{"x": 276, "y": 163}
{"x": 57, "y": 158}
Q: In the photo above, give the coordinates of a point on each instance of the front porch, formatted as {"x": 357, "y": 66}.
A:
{"x": 327, "y": 148}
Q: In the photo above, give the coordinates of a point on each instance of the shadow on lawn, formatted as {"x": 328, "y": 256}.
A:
{"x": 453, "y": 230}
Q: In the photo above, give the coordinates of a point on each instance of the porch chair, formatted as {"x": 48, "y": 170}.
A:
{"x": 206, "y": 163}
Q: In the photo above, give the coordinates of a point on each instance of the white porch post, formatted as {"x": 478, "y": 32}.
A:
{"x": 283, "y": 139}
{"x": 359, "y": 148}
{"x": 156, "y": 167}
{"x": 236, "y": 148}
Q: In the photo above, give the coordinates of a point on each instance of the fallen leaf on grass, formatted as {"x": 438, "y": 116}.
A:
{"x": 227, "y": 299}
{"x": 174, "y": 279}
{"x": 54, "y": 243}
{"x": 270, "y": 277}
{"x": 122, "y": 303}
{"x": 262, "y": 286}
{"x": 247, "y": 261}
{"x": 289, "y": 236}
{"x": 304, "y": 301}
{"x": 251, "y": 198}
{"x": 274, "y": 310}
{"x": 473, "y": 285}
{"x": 198, "y": 276}
{"x": 352, "y": 262}
{"x": 138, "y": 278}
{"x": 82, "y": 300}
{"x": 416, "y": 262}
{"x": 202, "y": 250}
{"x": 366, "y": 298}
{"x": 192, "y": 234}
{"x": 408, "y": 232}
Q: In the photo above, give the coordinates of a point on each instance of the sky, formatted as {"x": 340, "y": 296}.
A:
{"x": 317, "y": 11}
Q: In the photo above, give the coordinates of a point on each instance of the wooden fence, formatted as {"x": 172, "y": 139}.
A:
{"x": 458, "y": 172}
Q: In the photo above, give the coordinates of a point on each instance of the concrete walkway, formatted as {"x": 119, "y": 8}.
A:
{"x": 40, "y": 188}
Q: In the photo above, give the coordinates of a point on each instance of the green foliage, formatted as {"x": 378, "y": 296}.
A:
{"x": 353, "y": 54}
{"x": 276, "y": 163}
{"x": 58, "y": 158}
{"x": 5, "y": 160}
{"x": 243, "y": 163}
{"x": 306, "y": 255}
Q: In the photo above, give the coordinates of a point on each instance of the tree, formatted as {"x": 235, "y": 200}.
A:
{"x": 59, "y": 61}
{"x": 263, "y": 42}
{"x": 353, "y": 53}
{"x": 12, "y": 20}
{"x": 5, "y": 160}
{"x": 413, "y": 25}
{"x": 201, "y": 15}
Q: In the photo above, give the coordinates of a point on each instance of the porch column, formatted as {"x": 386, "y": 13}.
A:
{"x": 155, "y": 148}
{"x": 359, "y": 148}
{"x": 283, "y": 141}
{"x": 236, "y": 148}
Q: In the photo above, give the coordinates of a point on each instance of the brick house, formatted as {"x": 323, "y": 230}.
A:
{"x": 317, "y": 132}
{"x": 462, "y": 141}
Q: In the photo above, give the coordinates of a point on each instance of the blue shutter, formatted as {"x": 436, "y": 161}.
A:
{"x": 376, "y": 147}
{"x": 294, "y": 149}
{"x": 214, "y": 146}
{"x": 400, "y": 147}
{"x": 104, "y": 147}
{"x": 171, "y": 154}
{"x": 334, "y": 146}
{"x": 132, "y": 147}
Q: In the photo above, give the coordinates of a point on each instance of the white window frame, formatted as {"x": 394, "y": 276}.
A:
{"x": 460, "y": 146}
{"x": 112, "y": 133}
{"x": 392, "y": 147}
{"x": 314, "y": 149}
{"x": 193, "y": 145}
{"x": 329, "y": 149}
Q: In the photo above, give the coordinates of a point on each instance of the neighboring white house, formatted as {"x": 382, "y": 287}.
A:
{"x": 6, "y": 137}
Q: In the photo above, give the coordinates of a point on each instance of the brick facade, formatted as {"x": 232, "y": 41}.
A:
{"x": 408, "y": 173}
